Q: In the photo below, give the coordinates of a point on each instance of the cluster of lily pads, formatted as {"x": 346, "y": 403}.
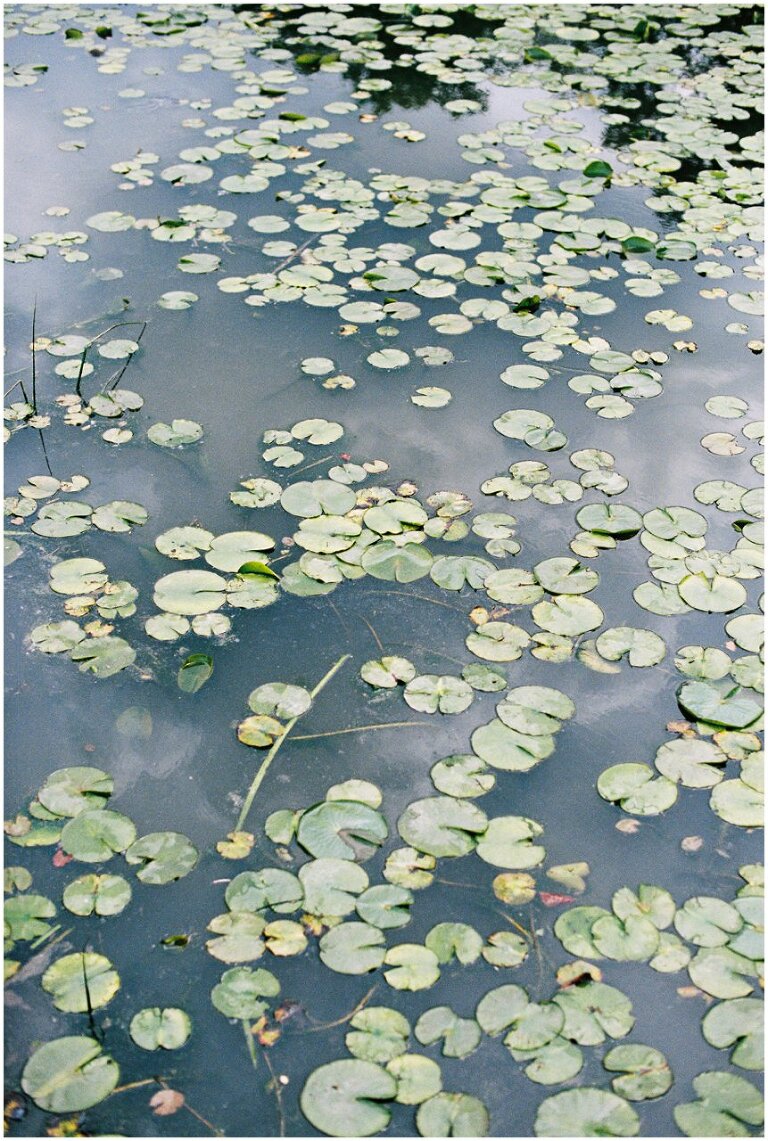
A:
{"x": 529, "y": 245}
{"x": 70, "y": 811}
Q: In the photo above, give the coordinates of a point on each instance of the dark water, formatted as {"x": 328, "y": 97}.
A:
{"x": 236, "y": 371}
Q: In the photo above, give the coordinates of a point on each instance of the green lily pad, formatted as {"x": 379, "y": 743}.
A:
{"x": 164, "y": 857}
{"x": 725, "y": 705}
{"x": 270, "y": 887}
{"x": 727, "y": 1104}
{"x": 68, "y": 792}
{"x": 460, "y": 1036}
{"x": 633, "y": 787}
{"x": 97, "y": 895}
{"x": 498, "y": 642}
{"x": 242, "y": 990}
{"x": 508, "y": 843}
{"x": 640, "y": 647}
{"x": 567, "y": 614}
{"x": 378, "y": 1034}
{"x": 462, "y": 775}
{"x": 616, "y": 519}
{"x": 190, "y": 592}
{"x": 103, "y": 657}
{"x": 430, "y": 693}
{"x": 586, "y": 1112}
{"x": 178, "y": 433}
{"x": 344, "y": 829}
{"x": 454, "y": 940}
{"x": 353, "y": 948}
{"x": 452, "y": 1115}
{"x": 80, "y": 982}
{"x": 418, "y": 1078}
{"x": 68, "y": 1075}
{"x": 160, "y": 1029}
{"x": 737, "y": 1024}
{"x": 442, "y": 826}
{"x": 645, "y": 1072}
{"x": 194, "y": 672}
{"x": 412, "y": 967}
{"x": 97, "y": 834}
{"x": 393, "y": 563}
{"x": 25, "y": 916}
{"x": 331, "y": 886}
{"x": 385, "y": 906}
{"x": 344, "y": 1098}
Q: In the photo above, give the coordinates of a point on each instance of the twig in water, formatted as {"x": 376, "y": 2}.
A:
{"x": 361, "y": 729}
{"x": 264, "y": 767}
{"x": 42, "y": 938}
{"x": 295, "y": 254}
{"x": 345, "y": 1018}
{"x": 337, "y": 612}
{"x": 120, "y": 372}
{"x": 79, "y": 377}
{"x": 34, "y": 361}
{"x": 315, "y": 463}
{"x": 216, "y": 1132}
{"x": 423, "y": 597}
{"x": 135, "y": 1085}
{"x": 164, "y": 1085}
{"x": 529, "y": 936}
{"x": 374, "y": 635}
{"x": 278, "y": 1090}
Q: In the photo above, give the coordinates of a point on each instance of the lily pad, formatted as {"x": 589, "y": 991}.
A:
{"x": 344, "y": 1098}
{"x": 68, "y": 1075}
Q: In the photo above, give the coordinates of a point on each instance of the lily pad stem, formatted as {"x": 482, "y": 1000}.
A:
{"x": 264, "y": 767}
{"x": 250, "y": 1043}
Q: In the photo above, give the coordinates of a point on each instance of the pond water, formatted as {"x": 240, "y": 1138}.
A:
{"x": 583, "y": 184}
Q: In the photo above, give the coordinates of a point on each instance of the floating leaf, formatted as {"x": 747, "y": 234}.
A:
{"x": 452, "y": 1115}
{"x": 81, "y": 982}
{"x": 195, "y": 671}
{"x": 160, "y": 1029}
{"x": 96, "y": 835}
{"x": 586, "y": 1112}
{"x": 343, "y": 1099}
{"x": 97, "y": 895}
{"x": 68, "y": 1075}
{"x": 164, "y": 857}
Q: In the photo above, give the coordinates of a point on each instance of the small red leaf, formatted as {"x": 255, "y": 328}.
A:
{"x": 550, "y": 899}
{"x": 61, "y": 859}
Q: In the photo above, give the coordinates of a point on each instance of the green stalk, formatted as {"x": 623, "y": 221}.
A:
{"x": 250, "y": 1043}
{"x": 264, "y": 767}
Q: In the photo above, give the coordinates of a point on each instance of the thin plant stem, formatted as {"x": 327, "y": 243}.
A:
{"x": 423, "y": 597}
{"x": 278, "y": 1091}
{"x": 135, "y": 1085}
{"x": 250, "y": 1043}
{"x": 315, "y": 463}
{"x": 119, "y": 375}
{"x": 345, "y": 1017}
{"x": 79, "y": 377}
{"x": 374, "y": 635}
{"x": 42, "y": 938}
{"x": 361, "y": 729}
{"x": 34, "y": 361}
{"x": 264, "y": 767}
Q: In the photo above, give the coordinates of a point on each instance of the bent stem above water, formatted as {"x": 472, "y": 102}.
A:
{"x": 264, "y": 767}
